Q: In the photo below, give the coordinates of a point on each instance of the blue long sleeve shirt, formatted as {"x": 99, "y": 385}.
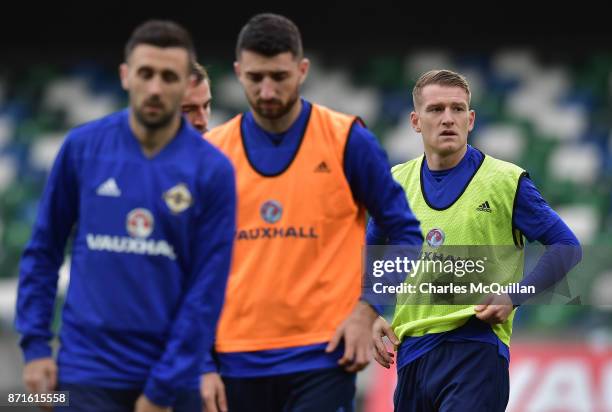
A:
{"x": 150, "y": 259}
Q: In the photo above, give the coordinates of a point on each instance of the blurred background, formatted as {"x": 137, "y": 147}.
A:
{"x": 542, "y": 91}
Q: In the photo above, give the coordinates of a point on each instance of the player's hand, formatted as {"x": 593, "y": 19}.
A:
{"x": 40, "y": 376}
{"x": 144, "y": 404}
{"x": 495, "y": 309}
{"x": 212, "y": 390}
{"x": 380, "y": 329}
{"x": 356, "y": 330}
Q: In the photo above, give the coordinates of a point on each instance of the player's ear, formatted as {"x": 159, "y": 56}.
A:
{"x": 192, "y": 79}
{"x": 303, "y": 66}
{"x": 123, "y": 75}
{"x": 415, "y": 122}
{"x": 472, "y": 120}
{"x": 237, "y": 70}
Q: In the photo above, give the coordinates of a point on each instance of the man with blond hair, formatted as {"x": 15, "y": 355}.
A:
{"x": 454, "y": 357}
{"x": 196, "y": 105}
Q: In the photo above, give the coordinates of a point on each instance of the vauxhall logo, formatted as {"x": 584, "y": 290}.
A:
{"x": 139, "y": 225}
{"x": 271, "y": 212}
{"x": 277, "y": 232}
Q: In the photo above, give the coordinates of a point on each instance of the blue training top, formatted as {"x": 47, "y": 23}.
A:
{"x": 150, "y": 258}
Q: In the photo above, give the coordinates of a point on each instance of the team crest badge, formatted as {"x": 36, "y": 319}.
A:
{"x": 271, "y": 211}
{"x": 178, "y": 198}
{"x": 139, "y": 223}
{"x": 435, "y": 237}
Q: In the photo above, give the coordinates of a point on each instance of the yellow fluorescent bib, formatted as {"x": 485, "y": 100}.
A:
{"x": 481, "y": 216}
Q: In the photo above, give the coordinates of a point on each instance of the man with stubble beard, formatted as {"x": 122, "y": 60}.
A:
{"x": 295, "y": 330}
{"x": 152, "y": 205}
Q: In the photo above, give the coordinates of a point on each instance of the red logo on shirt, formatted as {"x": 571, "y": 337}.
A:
{"x": 139, "y": 223}
{"x": 435, "y": 237}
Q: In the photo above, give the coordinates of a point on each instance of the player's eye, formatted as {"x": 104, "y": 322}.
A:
{"x": 255, "y": 77}
{"x": 145, "y": 73}
{"x": 169, "y": 76}
{"x": 279, "y": 77}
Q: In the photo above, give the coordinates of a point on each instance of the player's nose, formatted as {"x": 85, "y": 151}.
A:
{"x": 447, "y": 118}
{"x": 268, "y": 89}
{"x": 205, "y": 119}
{"x": 154, "y": 86}
{"x": 199, "y": 120}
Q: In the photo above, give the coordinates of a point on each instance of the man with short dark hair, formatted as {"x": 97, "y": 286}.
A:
{"x": 152, "y": 205}
{"x": 294, "y": 330}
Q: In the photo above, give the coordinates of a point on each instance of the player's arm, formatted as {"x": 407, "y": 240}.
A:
{"x": 368, "y": 173}
{"x": 38, "y": 272}
{"x": 375, "y": 235}
{"x": 538, "y": 222}
{"x": 392, "y": 222}
{"x": 193, "y": 329}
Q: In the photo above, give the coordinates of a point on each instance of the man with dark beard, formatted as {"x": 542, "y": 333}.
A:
{"x": 152, "y": 205}
{"x": 294, "y": 331}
